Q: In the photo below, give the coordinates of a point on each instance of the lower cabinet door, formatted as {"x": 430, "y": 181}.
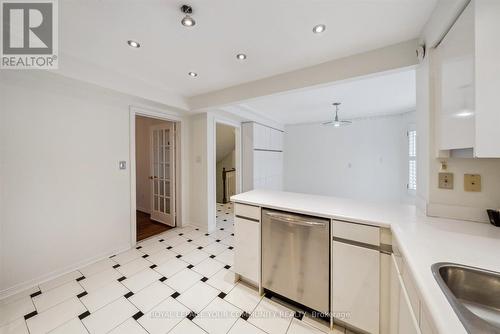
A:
{"x": 395, "y": 293}
{"x": 356, "y": 286}
{"x": 407, "y": 322}
{"x": 247, "y": 254}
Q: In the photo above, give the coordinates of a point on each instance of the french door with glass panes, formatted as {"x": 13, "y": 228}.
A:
{"x": 163, "y": 173}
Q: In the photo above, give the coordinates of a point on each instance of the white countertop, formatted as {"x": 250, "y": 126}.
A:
{"x": 422, "y": 240}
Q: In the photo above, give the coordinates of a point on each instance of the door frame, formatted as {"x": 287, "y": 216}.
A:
{"x": 212, "y": 164}
{"x": 164, "y": 116}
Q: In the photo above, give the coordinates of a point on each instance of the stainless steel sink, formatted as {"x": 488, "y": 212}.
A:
{"x": 473, "y": 293}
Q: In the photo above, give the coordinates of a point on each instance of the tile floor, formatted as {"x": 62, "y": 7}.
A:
{"x": 179, "y": 281}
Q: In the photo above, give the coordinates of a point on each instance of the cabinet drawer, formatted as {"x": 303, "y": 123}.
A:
{"x": 247, "y": 211}
{"x": 356, "y": 232}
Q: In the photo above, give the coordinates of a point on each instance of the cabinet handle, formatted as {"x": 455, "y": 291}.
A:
{"x": 356, "y": 243}
{"x": 294, "y": 220}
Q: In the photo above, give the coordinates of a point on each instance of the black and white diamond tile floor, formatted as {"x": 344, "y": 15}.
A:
{"x": 185, "y": 284}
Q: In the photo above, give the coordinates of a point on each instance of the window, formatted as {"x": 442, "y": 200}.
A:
{"x": 412, "y": 160}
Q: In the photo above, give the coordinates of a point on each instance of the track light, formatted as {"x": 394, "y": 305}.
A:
{"x": 187, "y": 21}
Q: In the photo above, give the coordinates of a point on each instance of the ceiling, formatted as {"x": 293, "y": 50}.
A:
{"x": 384, "y": 94}
{"x": 225, "y": 141}
{"x": 275, "y": 34}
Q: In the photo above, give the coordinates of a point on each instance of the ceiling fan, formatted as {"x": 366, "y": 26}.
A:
{"x": 336, "y": 121}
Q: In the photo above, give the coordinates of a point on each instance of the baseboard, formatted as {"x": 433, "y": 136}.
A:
{"x": 5, "y": 293}
{"x": 457, "y": 212}
{"x": 143, "y": 210}
{"x": 186, "y": 224}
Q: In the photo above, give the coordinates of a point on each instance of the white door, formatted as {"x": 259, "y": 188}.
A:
{"x": 163, "y": 173}
{"x": 407, "y": 322}
{"x": 247, "y": 254}
{"x": 395, "y": 296}
{"x": 403, "y": 320}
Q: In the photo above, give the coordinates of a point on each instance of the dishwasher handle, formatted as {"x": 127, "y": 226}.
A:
{"x": 294, "y": 219}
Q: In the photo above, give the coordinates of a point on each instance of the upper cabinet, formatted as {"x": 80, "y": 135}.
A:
{"x": 468, "y": 82}
{"x": 262, "y": 157}
{"x": 456, "y": 71}
{"x": 266, "y": 138}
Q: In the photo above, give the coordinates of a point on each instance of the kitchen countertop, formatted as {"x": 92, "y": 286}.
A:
{"x": 422, "y": 240}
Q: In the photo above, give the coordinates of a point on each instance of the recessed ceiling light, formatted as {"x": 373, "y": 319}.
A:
{"x": 193, "y": 74}
{"x": 319, "y": 28}
{"x": 133, "y": 44}
{"x": 241, "y": 56}
{"x": 187, "y": 21}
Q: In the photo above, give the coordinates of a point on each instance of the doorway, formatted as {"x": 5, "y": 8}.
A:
{"x": 155, "y": 165}
{"x": 225, "y": 173}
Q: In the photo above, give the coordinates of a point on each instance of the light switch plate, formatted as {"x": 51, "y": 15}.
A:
{"x": 472, "y": 182}
{"x": 445, "y": 181}
{"x": 122, "y": 164}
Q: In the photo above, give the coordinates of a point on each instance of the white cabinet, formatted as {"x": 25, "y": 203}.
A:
{"x": 268, "y": 167}
{"x": 356, "y": 232}
{"x": 261, "y": 136}
{"x": 247, "y": 211}
{"x": 355, "y": 282}
{"x": 276, "y": 140}
{"x": 385, "y": 292}
{"x": 426, "y": 325}
{"x": 356, "y": 285}
{"x": 468, "y": 82}
{"x": 266, "y": 138}
{"x": 403, "y": 319}
{"x": 247, "y": 237}
{"x": 395, "y": 295}
{"x": 407, "y": 322}
{"x": 262, "y": 157}
{"x": 412, "y": 292}
{"x": 456, "y": 57}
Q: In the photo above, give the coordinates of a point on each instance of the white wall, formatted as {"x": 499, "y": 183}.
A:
{"x": 367, "y": 160}
{"x": 198, "y": 170}
{"x": 63, "y": 200}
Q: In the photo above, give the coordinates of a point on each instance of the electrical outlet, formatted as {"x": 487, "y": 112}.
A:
{"x": 472, "y": 182}
{"x": 445, "y": 181}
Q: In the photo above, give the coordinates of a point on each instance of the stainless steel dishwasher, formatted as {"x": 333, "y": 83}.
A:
{"x": 296, "y": 258}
